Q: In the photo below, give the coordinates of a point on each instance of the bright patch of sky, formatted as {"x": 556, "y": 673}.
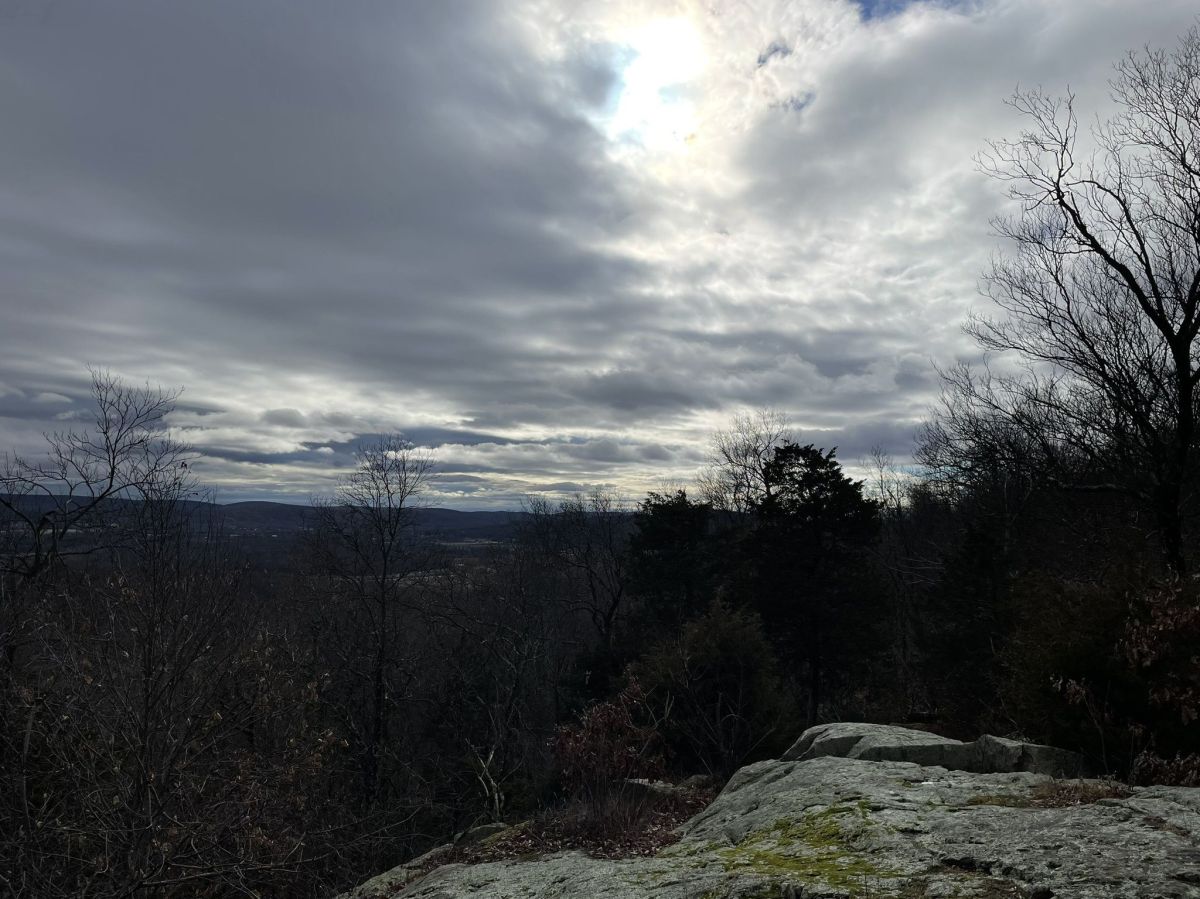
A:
{"x": 653, "y": 107}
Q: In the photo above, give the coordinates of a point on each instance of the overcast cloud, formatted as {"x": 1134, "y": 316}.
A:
{"x": 560, "y": 242}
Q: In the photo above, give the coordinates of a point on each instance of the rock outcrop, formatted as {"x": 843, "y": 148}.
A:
{"x": 882, "y": 743}
{"x": 868, "y": 811}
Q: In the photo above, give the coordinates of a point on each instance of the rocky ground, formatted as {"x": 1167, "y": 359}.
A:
{"x": 870, "y": 811}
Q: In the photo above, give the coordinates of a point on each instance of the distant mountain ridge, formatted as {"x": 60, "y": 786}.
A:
{"x": 262, "y": 517}
{"x": 450, "y": 523}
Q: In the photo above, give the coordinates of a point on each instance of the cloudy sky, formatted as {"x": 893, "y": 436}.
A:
{"x": 559, "y": 240}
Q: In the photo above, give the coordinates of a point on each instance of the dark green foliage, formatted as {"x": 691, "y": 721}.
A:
{"x": 1058, "y": 677}
{"x": 718, "y": 692}
{"x": 817, "y": 504}
{"x": 802, "y": 564}
{"x": 966, "y": 624}
{"x": 672, "y": 560}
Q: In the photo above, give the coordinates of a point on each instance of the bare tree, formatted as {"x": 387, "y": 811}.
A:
{"x": 128, "y": 768}
{"x": 588, "y": 538}
{"x": 363, "y": 544}
{"x": 1101, "y": 299}
{"x": 59, "y": 505}
{"x": 735, "y": 479}
{"x": 904, "y": 567}
{"x": 499, "y": 639}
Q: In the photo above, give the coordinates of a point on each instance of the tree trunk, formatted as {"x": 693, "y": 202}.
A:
{"x": 814, "y": 679}
{"x": 1169, "y": 520}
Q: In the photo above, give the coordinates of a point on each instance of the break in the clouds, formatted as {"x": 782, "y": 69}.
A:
{"x": 560, "y": 242}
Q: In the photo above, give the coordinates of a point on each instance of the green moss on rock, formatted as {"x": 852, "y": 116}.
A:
{"x": 814, "y": 847}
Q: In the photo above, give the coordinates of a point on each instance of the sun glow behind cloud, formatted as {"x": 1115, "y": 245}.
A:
{"x": 654, "y": 109}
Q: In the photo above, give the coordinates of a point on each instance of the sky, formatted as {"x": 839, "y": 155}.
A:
{"x": 559, "y": 242}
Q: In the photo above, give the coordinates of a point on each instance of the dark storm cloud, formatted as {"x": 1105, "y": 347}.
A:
{"x": 567, "y": 488}
{"x": 421, "y": 436}
{"x": 640, "y": 392}
{"x": 33, "y": 408}
{"x": 855, "y": 443}
{"x": 435, "y": 437}
{"x": 288, "y": 418}
{"x": 251, "y": 457}
{"x": 286, "y": 179}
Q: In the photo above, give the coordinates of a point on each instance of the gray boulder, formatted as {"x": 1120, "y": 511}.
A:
{"x": 874, "y": 742}
{"x": 391, "y": 882}
{"x": 833, "y": 827}
{"x": 481, "y": 833}
{"x": 886, "y": 743}
{"x": 995, "y": 754}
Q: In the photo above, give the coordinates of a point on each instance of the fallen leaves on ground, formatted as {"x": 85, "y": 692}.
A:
{"x": 556, "y": 831}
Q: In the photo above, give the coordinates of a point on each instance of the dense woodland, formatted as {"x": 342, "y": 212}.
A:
{"x": 177, "y": 718}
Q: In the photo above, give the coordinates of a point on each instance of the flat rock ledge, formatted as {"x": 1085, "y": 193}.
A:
{"x": 841, "y": 817}
{"x": 885, "y": 743}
